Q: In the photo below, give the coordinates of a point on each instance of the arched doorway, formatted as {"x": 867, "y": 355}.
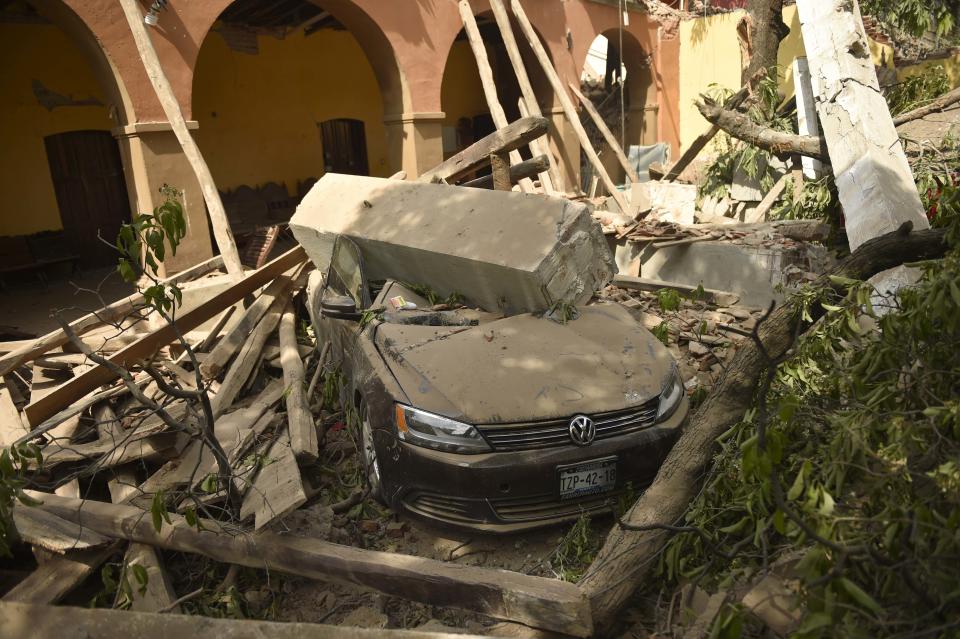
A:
{"x": 467, "y": 116}
{"x": 620, "y": 85}
{"x": 284, "y": 93}
{"x": 61, "y": 169}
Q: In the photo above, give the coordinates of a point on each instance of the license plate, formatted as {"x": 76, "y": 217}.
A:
{"x": 587, "y": 478}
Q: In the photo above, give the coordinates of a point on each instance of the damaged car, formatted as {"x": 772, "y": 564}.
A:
{"x": 494, "y": 421}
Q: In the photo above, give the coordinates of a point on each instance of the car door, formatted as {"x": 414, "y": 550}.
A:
{"x": 345, "y": 296}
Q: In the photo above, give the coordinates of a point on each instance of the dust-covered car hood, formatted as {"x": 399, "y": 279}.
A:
{"x": 524, "y": 368}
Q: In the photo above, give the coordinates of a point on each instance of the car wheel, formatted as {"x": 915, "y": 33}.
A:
{"x": 368, "y": 454}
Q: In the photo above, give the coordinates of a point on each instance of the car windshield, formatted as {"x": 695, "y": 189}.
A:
{"x": 346, "y": 276}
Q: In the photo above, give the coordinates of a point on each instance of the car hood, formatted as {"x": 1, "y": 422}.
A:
{"x": 524, "y": 368}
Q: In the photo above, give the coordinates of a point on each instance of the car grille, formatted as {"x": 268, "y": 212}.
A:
{"x": 447, "y": 508}
{"x": 550, "y": 507}
{"x": 556, "y": 432}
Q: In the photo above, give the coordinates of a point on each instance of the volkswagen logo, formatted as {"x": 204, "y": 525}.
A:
{"x": 582, "y": 430}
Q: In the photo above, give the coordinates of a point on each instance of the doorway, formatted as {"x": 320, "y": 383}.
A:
{"x": 91, "y": 192}
{"x": 344, "y": 147}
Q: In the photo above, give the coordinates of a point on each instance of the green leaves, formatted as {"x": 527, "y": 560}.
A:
{"x": 158, "y": 511}
{"x": 668, "y": 299}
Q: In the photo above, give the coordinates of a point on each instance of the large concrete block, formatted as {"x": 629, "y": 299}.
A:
{"x": 499, "y": 249}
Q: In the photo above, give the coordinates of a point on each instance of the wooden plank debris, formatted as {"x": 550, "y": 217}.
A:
{"x": 490, "y": 91}
{"x": 76, "y": 388}
{"x": 63, "y": 622}
{"x": 606, "y": 133}
{"x": 565, "y": 103}
{"x": 54, "y": 579}
{"x": 721, "y": 298}
{"x": 527, "y": 168}
{"x": 171, "y": 108}
{"x": 233, "y": 339}
{"x": 513, "y": 136}
{"x": 46, "y": 530}
{"x": 759, "y": 214}
{"x": 538, "y": 602}
{"x": 11, "y": 426}
{"x": 278, "y": 487}
{"x": 300, "y": 423}
{"x": 549, "y": 179}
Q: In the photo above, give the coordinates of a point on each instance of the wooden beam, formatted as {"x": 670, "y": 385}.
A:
{"x": 65, "y": 622}
{"x": 759, "y": 214}
{"x": 110, "y": 313}
{"x": 527, "y": 168}
{"x": 874, "y": 180}
{"x": 630, "y": 282}
{"x": 565, "y": 103}
{"x": 607, "y": 134}
{"x": 11, "y": 427}
{"x": 538, "y": 602}
{"x": 278, "y": 487}
{"x": 242, "y": 367}
{"x": 171, "y": 107}
{"x": 53, "y": 579}
{"x": 489, "y": 87}
{"x": 550, "y": 178}
{"x": 515, "y": 135}
{"x": 146, "y": 346}
{"x": 233, "y": 339}
{"x": 300, "y": 424}
{"x": 500, "y": 171}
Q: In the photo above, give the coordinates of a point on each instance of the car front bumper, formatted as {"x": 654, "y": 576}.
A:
{"x": 512, "y": 491}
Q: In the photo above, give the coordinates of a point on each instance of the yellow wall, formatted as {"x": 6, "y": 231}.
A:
{"x": 710, "y": 54}
{"x": 951, "y": 65}
{"x": 38, "y": 52}
{"x": 259, "y": 114}
{"x": 461, "y": 94}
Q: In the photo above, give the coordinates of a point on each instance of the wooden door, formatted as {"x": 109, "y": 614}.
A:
{"x": 344, "y": 147}
{"x": 91, "y": 192}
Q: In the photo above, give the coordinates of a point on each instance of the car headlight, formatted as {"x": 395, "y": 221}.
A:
{"x": 434, "y": 431}
{"x": 671, "y": 395}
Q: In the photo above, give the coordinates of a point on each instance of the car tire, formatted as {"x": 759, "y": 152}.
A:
{"x": 368, "y": 454}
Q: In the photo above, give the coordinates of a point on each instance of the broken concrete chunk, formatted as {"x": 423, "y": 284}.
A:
{"x": 500, "y": 250}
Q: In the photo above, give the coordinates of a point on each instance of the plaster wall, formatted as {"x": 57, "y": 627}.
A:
{"x": 259, "y": 115}
{"x": 43, "y": 53}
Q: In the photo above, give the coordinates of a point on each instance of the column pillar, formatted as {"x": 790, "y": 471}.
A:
{"x": 151, "y": 158}
{"x": 564, "y": 149}
{"x": 414, "y": 141}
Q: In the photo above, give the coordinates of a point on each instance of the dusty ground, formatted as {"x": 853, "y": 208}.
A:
{"x": 25, "y": 304}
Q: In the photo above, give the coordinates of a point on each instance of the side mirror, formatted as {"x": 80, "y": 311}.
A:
{"x": 339, "y": 307}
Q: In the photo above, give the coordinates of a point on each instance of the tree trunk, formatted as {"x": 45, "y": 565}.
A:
{"x": 627, "y": 556}
{"x": 760, "y": 33}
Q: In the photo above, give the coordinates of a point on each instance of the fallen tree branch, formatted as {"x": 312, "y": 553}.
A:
{"x": 627, "y": 555}
{"x": 939, "y": 104}
{"x": 533, "y": 601}
{"x": 743, "y": 128}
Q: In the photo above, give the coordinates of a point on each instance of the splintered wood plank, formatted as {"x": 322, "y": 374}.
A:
{"x": 513, "y": 136}
{"x": 159, "y": 593}
{"x": 147, "y": 345}
{"x": 214, "y": 363}
{"x": 11, "y": 427}
{"x": 53, "y": 579}
{"x": 63, "y": 622}
{"x": 300, "y": 424}
{"x": 278, "y": 488}
{"x": 40, "y": 528}
{"x": 548, "y": 604}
